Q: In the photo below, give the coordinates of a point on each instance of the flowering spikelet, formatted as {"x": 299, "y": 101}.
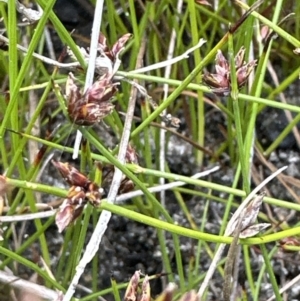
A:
{"x": 92, "y": 106}
{"x": 126, "y": 184}
{"x": 137, "y": 292}
{"x": 220, "y": 82}
{"x": 108, "y": 59}
{"x": 81, "y": 192}
{"x": 132, "y": 287}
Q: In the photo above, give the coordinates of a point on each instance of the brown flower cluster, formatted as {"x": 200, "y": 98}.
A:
{"x": 94, "y": 104}
{"x": 287, "y": 242}
{"x": 81, "y": 192}
{"x": 132, "y": 292}
{"x": 220, "y": 82}
{"x": 113, "y": 53}
{"x": 135, "y": 292}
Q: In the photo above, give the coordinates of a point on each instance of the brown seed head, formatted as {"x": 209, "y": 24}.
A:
{"x": 94, "y": 104}
{"x": 94, "y": 194}
{"x": 220, "y": 82}
{"x": 80, "y": 193}
{"x": 76, "y": 195}
{"x": 131, "y": 291}
{"x": 131, "y": 155}
{"x": 146, "y": 291}
{"x": 71, "y": 174}
{"x": 190, "y": 296}
{"x": 67, "y": 213}
{"x": 116, "y": 49}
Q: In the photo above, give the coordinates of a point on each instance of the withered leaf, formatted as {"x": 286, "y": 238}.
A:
{"x": 253, "y": 230}
{"x": 249, "y": 214}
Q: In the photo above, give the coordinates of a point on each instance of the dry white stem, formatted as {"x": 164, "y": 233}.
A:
{"x": 129, "y": 195}
{"x": 286, "y": 287}
{"x": 229, "y": 230}
{"x": 36, "y": 290}
{"x": 172, "y": 61}
{"x": 89, "y": 291}
{"x": 120, "y": 199}
{"x": 29, "y": 14}
{"x": 92, "y": 247}
{"x": 94, "y": 243}
{"x": 91, "y": 64}
{"x": 48, "y": 41}
{"x": 41, "y": 57}
{"x": 101, "y": 61}
{"x": 27, "y": 217}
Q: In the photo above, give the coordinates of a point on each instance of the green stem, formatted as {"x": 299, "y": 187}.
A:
{"x": 31, "y": 265}
{"x": 197, "y": 58}
{"x": 270, "y": 271}
{"x": 238, "y": 124}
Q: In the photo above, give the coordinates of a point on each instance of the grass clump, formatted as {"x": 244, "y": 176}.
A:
{"x": 168, "y": 89}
